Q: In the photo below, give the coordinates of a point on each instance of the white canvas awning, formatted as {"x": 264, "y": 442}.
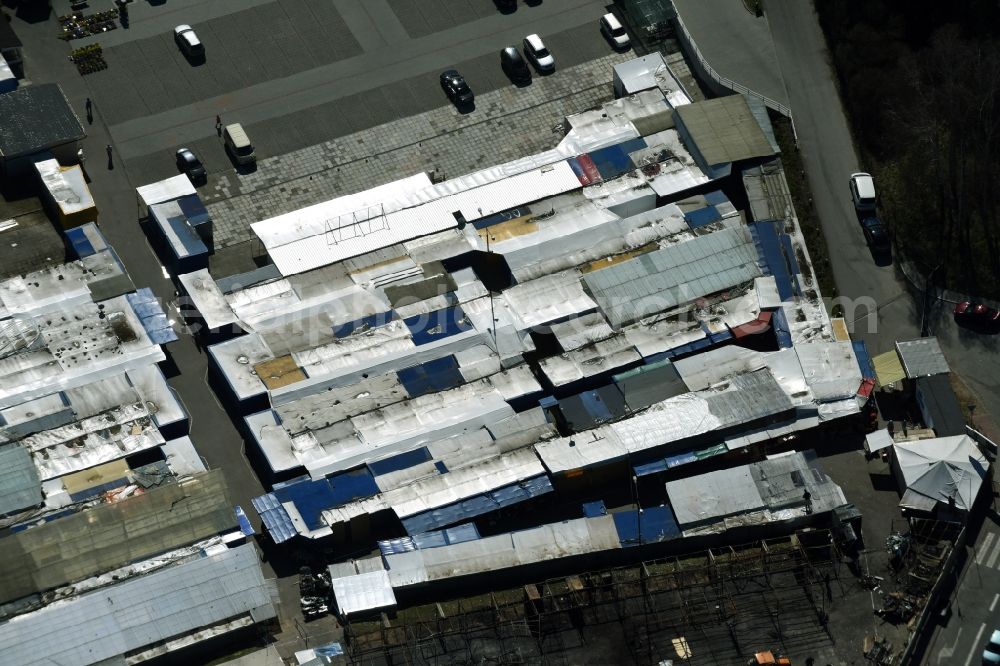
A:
{"x": 878, "y": 440}
{"x": 943, "y": 469}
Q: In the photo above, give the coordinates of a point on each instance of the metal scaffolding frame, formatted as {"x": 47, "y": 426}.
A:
{"x": 716, "y": 607}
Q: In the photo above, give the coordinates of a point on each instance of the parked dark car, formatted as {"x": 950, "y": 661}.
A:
{"x": 514, "y": 66}
{"x": 189, "y": 164}
{"x": 876, "y": 234}
{"x": 456, "y": 88}
{"x": 969, "y": 312}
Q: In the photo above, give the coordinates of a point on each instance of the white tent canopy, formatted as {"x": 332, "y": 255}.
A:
{"x": 941, "y": 469}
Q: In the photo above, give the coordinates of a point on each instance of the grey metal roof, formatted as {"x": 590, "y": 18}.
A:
{"x": 20, "y": 487}
{"x": 111, "y": 535}
{"x": 922, "y": 357}
{"x": 673, "y": 275}
{"x": 139, "y": 612}
{"x": 36, "y": 118}
{"x": 939, "y": 405}
{"x": 650, "y": 384}
{"x": 724, "y": 129}
{"x": 711, "y": 497}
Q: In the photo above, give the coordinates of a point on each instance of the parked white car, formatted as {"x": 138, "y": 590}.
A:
{"x": 188, "y": 41}
{"x": 536, "y": 52}
{"x": 614, "y": 32}
{"x": 863, "y": 193}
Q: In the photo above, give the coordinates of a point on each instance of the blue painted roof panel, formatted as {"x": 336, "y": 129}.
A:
{"x": 437, "y": 325}
{"x": 400, "y": 461}
{"x": 276, "y": 520}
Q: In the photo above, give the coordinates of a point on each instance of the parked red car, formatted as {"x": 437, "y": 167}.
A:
{"x": 976, "y": 313}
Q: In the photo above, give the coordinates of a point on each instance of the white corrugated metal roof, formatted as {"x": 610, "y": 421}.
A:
{"x": 591, "y": 447}
{"x": 549, "y": 298}
{"x": 713, "y": 366}
{"x": 831, "y": 369}
{"x": 602, "y": 356}
{"x": 713, "y": 496}
{"x": 166, "y": 190}
{"x": 329, "y": 235}
{"x": 315, "y": 220}
{"x": 922, "y": 357}
{"x": 462, "y": 483}
{"x": 363, "y": 592}
{"x": 206, "y": 296}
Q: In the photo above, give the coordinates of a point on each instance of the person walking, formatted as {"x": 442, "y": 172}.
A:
{"x": 218, "y": 125}
{"x": 90, "y": 111}
{"x": 111, "y": 162}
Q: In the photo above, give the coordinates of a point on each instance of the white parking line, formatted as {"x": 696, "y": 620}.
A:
{"x": 985, "y": 547}
{"x": 994, "y": 604}
{"x": 976, "y": 648}
{"x": 993, "y": 556}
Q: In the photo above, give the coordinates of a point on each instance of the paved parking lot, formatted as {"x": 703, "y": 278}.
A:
{"x": 154, "y": 100}
{"x": 244, "y": 48}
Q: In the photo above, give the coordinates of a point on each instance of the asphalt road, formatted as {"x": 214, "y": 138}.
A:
{"x": 269, "y": 61}
{"x": 877, "y": 304}
{"x": 974, "y": 614}
{"x": 828, "y": 154}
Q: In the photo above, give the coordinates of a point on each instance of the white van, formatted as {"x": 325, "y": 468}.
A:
{"x": 238, "y": 144}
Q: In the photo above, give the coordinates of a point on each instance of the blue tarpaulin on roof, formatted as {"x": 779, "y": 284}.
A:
{"x": 477, "y": 505}
{"x": 594, "y": 509}
{"x": 777, "y": 256}
{"x": 364, "y": 324}
{"x": 276, "y": 520}
{"x": 864, "y": 359}
{"x": 654, "y": 524}
{"x": 311, "y": 498}
{"x": 702, "y": 216}
{"x": 86, "y": 239}
{"x": 437, "y": 375}
{"x": 716, "y": 197}
{"x": 424, "y": 540}
{"x": 244, "y": 522}
{"x": 148, "y": 309}
{"x": 194, "y": 210}
{"x": 781, "y": 331}
{"x": 188, "y": 244}
{"x": 437, "y": 325}
{"x": 400, "y": 461}
{"x": 81, "y": 244}
{"x": 614, "y": 161}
